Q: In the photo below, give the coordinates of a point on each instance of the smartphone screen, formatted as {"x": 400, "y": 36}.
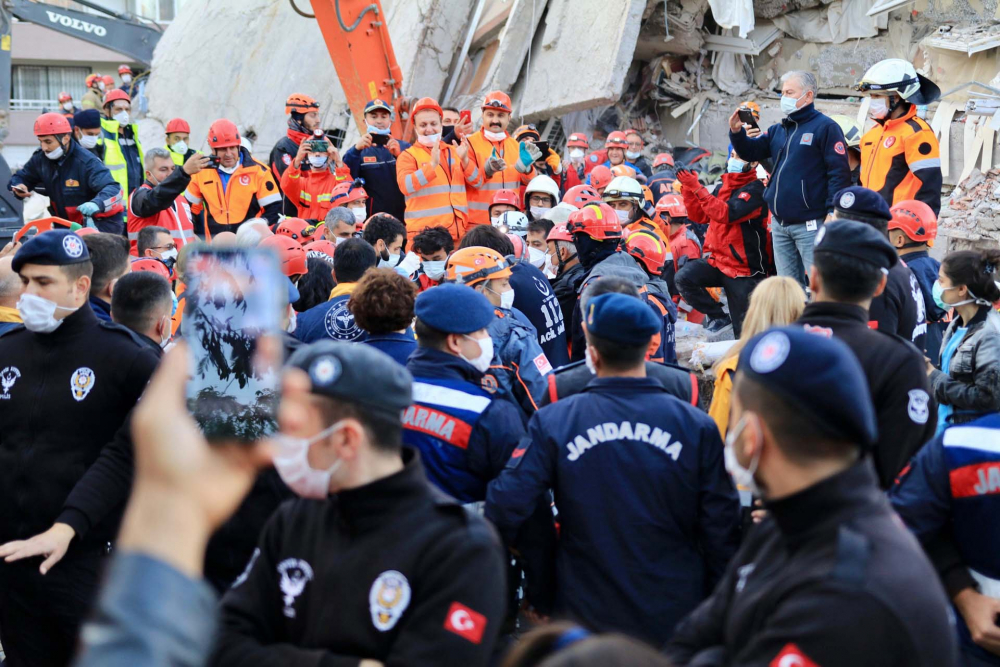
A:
{"x": 380, "y": 139}
{"x": 232, "y": 317}
{"x": 544, "y": 147}
{"x": 747, "y": 117}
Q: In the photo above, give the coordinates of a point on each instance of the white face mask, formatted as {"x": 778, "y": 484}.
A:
{"x": 166, "y": 329}
{"x": 623, "y": 216}
{"x": 68, "y": 106}
{"x": 338, "y": 240}
{"x": 180, "y": 147}
{"x": 374, "y": 130}
{"x": 506, "y": 298}
{"x": 359, "y": 213}
{"x": 121, "y": 117}
{"x": 878, "y": 108}
{"x": 576, "y": 154}
{"x": 101, "y": 86}
{"x": 38, "y": 313}
{"x": 429, "y": 139}
{"x": 789, "y": 104}
{"x": 317, "y": 161}
{"x": 293, "y": 321}
{"x": 494, "y": 136}
{"x": 126, "y": 78}
{"x": 55, "y": 153}
{"x": 536, "y": 257}
{"x": 435, "y": 270}
{"x": 390, "y": 263}
{"x": 292, "y": 464}
{"x": 485, "y": 358}
{"x": 169, "y": 257}
{"x": 589, "y": 360}
{"x": 89, "y": 140}
{"x": 495, "y": 220}
{"x": 742, "y": 476}
{"x": 538, "y": 211}
{"x": 633, "y": 155}
{"x": 229, "y": 170}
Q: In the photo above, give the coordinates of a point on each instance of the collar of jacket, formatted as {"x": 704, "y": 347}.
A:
{"x": 801, "y": 115}
{"x": 430, "y": 363}
{"x": 625, "y": 385}
{"x": 827, "y": 502}
{"x": 150, "y": 343}
{"x": 8, "y": 314}
{"x": 737, "y": 180}
{"x": 76, "y": 322}
{"x": 910, "y": 256}
{"x": 822, "y": 312}
{"x": 298, "y": 137}
{"x": 100, "y": 304}
{"x": 371, "y": 506}
{"x": 891, "y": 123}
{"x": 341, "y": 289}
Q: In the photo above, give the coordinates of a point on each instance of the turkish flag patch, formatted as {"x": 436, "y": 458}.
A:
{"x": 792, "y": 656}
{"x": 542, "y": 364}
{"x": 465, "y": 622}
{"x": 370, "y": 159}
{"x": 745, "y": 196}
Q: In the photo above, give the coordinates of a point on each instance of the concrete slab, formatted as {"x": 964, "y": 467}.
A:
{"x": 515, "y": 38}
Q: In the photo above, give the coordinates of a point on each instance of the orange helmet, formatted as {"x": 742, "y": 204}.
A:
{"x": 497, "y": 101}
{"x": 559, "y": 233}
{"x": 648, "y": 250}
{"x": 51, "y": 123}
{"x": 598, "y": 221}
{"x": 223, "y": 133}
{"x": 616, "y": 140}
{"x": 578, "y": 140}
{"x": 152, "y": 265}
{"x": 92, "y": 80}
{"x": 672, "y": 205}
{"x": 425, "y": 103}
{"x": 915, "y": 219}
{"x": 600, "y": 176}
{"x": 65, "y": 97}
{"x": 291, "y": 254}
{"x": 520, "y": 247}
{"x": 322, "y": 249}
{"x": 663, "y": 158}
{"x": 509, "y": 197}
{"x": 300, "y": 103}
{"x": 109, "y": 81}
{"x": 527, "y": 131}
{"x": 581, "y": 195}
{"x": 124, "y": 69}
{"x": 178, "y": 125}
{"x": 115, "y": 95}
{"x": 753, "y": 107}
{"x": 296, "y": 228}
{"x": 347, "y": 192}
{"x": 468, "y": 266}
{"x": 623, "y": 170}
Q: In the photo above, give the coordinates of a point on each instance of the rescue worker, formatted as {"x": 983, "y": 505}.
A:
{"x": 157, "y": 243}
{"x": 900, "y": 156}
{"x": 433, "y": 176}
{"x": 500, "y": 161}
{"x": 159, "y": 201}
{"x": 653, "y": 257}
{"x": 735, "y": 245}
{"x": 852, "y": 136}
{"x": 68, "y": 383}
{"x": 574, "y": 170}
{"x": 540, "y": 196}
{"x": 110, "y": 261}
{"x": 417, "y": 579}
{"x": 434, "y": 245}
{"x": 87, "y": 130}
{"x": 552, "y": 162}
{"x": 66, "y": 107}
{"x": 684, "y": 243}
{"x": 664, "y": 175}
{"x": 580, "y": 195}
{"x": 629, "y": 447}
{"x": 303, "y": 120}
{"x": 178, "y": 134}
{"x": 830, "y": 577}
{"x": 912, "y": 231}
{"x": 502, "y": 202}
{"x": 77, "y": 183}
{"x": 350, "y": 196}
{"x": 94, "y": 97}
{"x": 464, "y": 435}
{"x": 625, "y": 196}
{"x": 900, "y": 308}
{"x": 125, "y": 72}
{"x": 520, "y": 368}
{"x": 334, "y": 319}
{"x": 376, "y": 162}
{"x": 616, "y": 145}
{"x": 122, "y": 148}
{"x": 850, "y": 260}
{"x": 633, "y": 153}
{"x": 311, "y": 180}
{"x": 235, "y": 188}
{"x": 565, "y": 265}
{"x": 599, "y": 177}
{"x": 948, "y": 497}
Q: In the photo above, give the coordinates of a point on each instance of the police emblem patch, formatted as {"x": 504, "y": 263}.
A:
{"x": 847, "y": 200}
{"x": 339, "y": 323}
{"x": 325, "y": 370}
{"x": 295, "y": 574}
{"x": 82, "y": 382}
{"x": 388, "y": 599}
{"x": 917, "y": 407}
{"x": 72, "y": 245}
{"x": 8, "y": 377}
{"x": 770, "y": 352}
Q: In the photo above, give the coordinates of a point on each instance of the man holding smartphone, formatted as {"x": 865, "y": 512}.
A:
{"x": 373, "y": 158}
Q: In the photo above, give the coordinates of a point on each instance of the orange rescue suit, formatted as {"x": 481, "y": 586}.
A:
{"x": 311, "y": 190}
{"x": 480, "y": 191}
{"x": 434, "y": 196}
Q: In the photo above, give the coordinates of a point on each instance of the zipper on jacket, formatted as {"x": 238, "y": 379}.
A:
{"x": 805, "y": 201}
{"x": 732, "y": 249}
{"x": 777, "y": 181}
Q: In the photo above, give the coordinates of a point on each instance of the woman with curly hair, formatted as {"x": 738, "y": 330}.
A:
{"x": 382, "y": 305}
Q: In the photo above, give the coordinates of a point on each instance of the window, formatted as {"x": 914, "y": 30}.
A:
{"x": 161, "y": 11}
{"x": 552, "y": 131}
{"x": 36, "y": 86}
{"x": 336, "y": 136}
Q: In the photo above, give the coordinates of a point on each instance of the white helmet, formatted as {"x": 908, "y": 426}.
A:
{"x": 544, "y": 185}
{"x": 514, "y": 222}
{"x": 899, "y": 76}
{"x": 624, "y": 188}
{"x": 850, "y": 129}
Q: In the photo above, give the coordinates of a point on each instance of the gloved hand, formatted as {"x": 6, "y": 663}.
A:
{"x": 526, "y": 156}
{"x": 88, "y": 209}
{"x": 494, "y": 164}
{"x": 554, "y": 161}
{"x": 580, "y": 171}
{"x": 688, "y": 179}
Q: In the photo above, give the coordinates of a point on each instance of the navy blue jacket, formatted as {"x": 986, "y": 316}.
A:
{"x": 662, "y": 183}
{"x": 810, "y": 164}
{"x": 331, "y": 319}
{"x": 925, "y": 270}
{"x": 648, "y": 515}
{"x": 377, "y": 166}
{"x": 101, "y": 308}
{"x": 399, "y": 346}
{"x": 464, "y": 435}
{"x": 534, "y": 296}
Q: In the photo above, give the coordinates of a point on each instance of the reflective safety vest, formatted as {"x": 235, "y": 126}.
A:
{"x": 114, "y": 159}
{"x": 176, "y": 219}
{"x": 434, "y": 197}
{"x": 901, "y": 160}
{"x": 480, "y": 191}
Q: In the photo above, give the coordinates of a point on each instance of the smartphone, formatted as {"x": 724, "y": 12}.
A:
{"x": 234, "y": 302}
{"x": 214, "y": 160}
{"x": 320, "y": 146}
{"x": 746, "y": 117}
{"x": 380, "y": 139}
{"x": 465, "y": 116}
{"x": 544, "y": 147}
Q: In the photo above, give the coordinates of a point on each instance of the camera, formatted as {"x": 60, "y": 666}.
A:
{"x": 319, "y": 146}
{"x": 214, "y": 160}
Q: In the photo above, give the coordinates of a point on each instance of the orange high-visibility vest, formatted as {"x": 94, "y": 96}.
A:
{"x": 434, "y": 196}
{"x": 480, "y": 192}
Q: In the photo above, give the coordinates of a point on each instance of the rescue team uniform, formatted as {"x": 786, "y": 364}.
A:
{"x": 572, "y": 378}
{"x": 464, "y": 435}
{"x": 377, "y": 165}
{"x": 230, "y": 199}
{"x": 533, "y": 296}
{"x": 311, "y": 190}
{"x": 564, "y": 286}
{"x": 662, "y": 183}
{"x": 434, "y": 197}
{"x": 897, "y": 378}
{"x": 416, "y": 578}
{"x": 900, "y": 308}
{"x": 520, "y": 369}
{"x": 164, "y": 206}
{"x": 123, "y": 155}
{"x": 680, "y": 518}
{"x": 331, "y": 319}
{"x": 951, "y": 492}
{"x": 901, "y": 159}
{"x": 829, "y": 578}
{"x": 281, "y": 157}
{"x": 64, "y": 396}
{"x": 925, "y": 270}
{"x": 480, "y": 189}
{"x": 663, "y": 346}
{"x": 179, "y": 159}
{"x": 75, "y": 178}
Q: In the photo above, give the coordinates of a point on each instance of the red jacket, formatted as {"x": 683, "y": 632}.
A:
{"x": 684, "y": 243}
{"x": 736, "y": 240}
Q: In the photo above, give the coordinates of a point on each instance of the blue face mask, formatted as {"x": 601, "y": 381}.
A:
{"x": 735, "y": 165}
{"x": 374, "y": 130}
{"x": 789, "y": 104}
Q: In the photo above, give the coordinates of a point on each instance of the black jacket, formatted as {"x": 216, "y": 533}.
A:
{"x": 393, "y": 571}
{"x": 897, "y": 379}
{"x": 145, "y": 202}
{"x": 71, "y": 392}
{"x": 830, "y": 578}
{"x": 900, "y": 308}
{"x": 282, "y": 154}
{"x": 573, "y": 377}
{"x": 565, "y": 288}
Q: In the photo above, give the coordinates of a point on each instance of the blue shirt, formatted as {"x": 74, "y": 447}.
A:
{"x": 535, "y": 298}
{"x": 331, "y": 320}
{"x": 399, "y": 346}
{"x": 224, "y": 177}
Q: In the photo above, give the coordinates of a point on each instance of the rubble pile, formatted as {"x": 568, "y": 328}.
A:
{"x": 973, "y": 210}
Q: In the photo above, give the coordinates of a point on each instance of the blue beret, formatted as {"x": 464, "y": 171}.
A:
{"x": 357, "y": 374}
{"x": 621, "y": 318}
{"x": 88, "y": 119}
{"x": 856, "y": 239}
{"x": 861, "y": 201}
{"x": 453, "y": 308}
{"x": 377, "y": 104}
{"x": 817, "y": 375}
{"x": 58, "y": 247}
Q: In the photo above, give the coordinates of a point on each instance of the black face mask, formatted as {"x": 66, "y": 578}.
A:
{"x": 592, "y": 251}
{"x": 448, "y": 134}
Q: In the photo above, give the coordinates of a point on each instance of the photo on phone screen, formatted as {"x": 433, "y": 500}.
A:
{"x": 234, "y": 300}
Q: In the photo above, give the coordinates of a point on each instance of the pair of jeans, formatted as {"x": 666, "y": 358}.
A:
{"x": 793, "y": 248}
{"x": 696, "y": 275}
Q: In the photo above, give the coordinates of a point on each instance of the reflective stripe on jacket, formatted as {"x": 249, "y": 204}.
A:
{"x": 901, "y": 160}
{"x": 114, "y": 158}
{"x": 481, "y": 190}
{"x": 175, "y": 217}
{"x": 311, "y": 191}
{"x": 434, "y": 197}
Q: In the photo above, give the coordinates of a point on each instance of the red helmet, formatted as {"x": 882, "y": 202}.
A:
{"x": 85, "y": 231}
{"x": 65, "y": 97}
{"x": 178, "y": 125}
{"x": 116, "y": 94}
{"x": 559, "y": 233}
{"x": 347, "y": 192}
{"x": 672, "y": 205}
{"x": 51, "y": 123}
{"x": 581, "y": 195}
{"x": 600, "y": 176}
{"x": 300, "y": 103}
{"x": 425, "y": 103}
{"x": 649, "y": 250}
{"x": 124, "y": 69}
{"x": 520, "y": 247}
{"x": 663, "y": 158}
{"x": 915, "y": 219}
{"x": 616, "y": 140}
{"x": 322, "y": 249}
{"x": 597, "y": 220}
{"x": 296, "y": 228}
{"x": 223, "y": 133}
{"x": 497, "y": 101}
{"x": 92, "y": 80}
{"x": 109, "y": 81}
{"x": 578, "y": 140}
{"x": 152, "y": 265}
{"x": 291, "y": 254}
{"x": 509, "y": 197}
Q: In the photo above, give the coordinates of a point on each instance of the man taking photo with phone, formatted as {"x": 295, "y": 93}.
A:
{"x": 315, "y": 172}
{"x": 373, "y": 158}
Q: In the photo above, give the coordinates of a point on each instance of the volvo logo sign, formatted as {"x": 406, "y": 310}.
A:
{"x": 76, "y": 24}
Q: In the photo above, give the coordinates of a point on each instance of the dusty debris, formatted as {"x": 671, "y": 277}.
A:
{"x": 973, "y": 209}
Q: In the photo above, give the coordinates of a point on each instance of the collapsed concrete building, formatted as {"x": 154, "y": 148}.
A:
{"x": 673, "y": 69}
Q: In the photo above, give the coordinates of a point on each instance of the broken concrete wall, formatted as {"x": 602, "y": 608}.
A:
{"x": 515, "y": 39}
